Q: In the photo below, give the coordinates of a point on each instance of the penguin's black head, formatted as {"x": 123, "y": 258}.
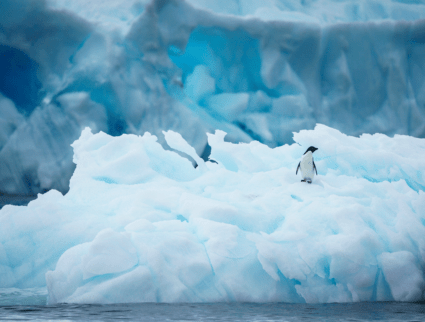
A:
{"x": 312, "y": 149}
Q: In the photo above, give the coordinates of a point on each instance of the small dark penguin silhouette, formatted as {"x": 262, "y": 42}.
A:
{"x": 307, "y": 165}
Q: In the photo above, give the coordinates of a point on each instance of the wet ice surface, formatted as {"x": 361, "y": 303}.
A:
{"x": 381, "y": 311}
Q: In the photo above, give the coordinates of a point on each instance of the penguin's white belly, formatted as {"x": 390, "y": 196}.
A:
{"x": 307, "y": 170}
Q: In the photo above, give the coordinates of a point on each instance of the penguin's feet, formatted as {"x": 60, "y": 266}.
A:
{"x": 309, "y": 181}
{"x": 303, "y": 180}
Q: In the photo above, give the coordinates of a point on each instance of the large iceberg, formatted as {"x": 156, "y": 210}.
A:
{"x": 254, "y": 69}
{"x": 142, "y": 224}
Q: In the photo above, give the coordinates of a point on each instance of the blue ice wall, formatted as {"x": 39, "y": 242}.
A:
{"x": 18, "y": 79}
{"x": 253, "y": 69}
{"x": 356, "y": 77}
{"x": 103, "y": 94}
{"x": 220, "y": 50}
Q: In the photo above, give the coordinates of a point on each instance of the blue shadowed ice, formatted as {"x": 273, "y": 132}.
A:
{"x": 18, "y": 72}
{"x": 258, "y": 70}
{"x": 141, "y": 224}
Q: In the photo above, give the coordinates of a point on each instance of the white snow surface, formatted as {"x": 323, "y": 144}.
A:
{"x": 141, "y": 224}
{"x": 254, "y": 69}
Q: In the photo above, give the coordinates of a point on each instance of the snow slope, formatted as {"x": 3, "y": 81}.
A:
{"x": 254, "y": 69}
{"x": 141, "y": 224}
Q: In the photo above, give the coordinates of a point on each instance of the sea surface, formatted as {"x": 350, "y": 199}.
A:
{"x": 30, "y": 305}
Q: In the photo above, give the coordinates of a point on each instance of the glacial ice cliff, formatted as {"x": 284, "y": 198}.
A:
{"x": 141, "y": 224}
{"x": 254, "y": 69}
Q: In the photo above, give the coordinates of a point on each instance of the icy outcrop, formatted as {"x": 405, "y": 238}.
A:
{"x": 141, "y": 224}
{"x": 254, "y": 69}
{"x": 320, "y": 11}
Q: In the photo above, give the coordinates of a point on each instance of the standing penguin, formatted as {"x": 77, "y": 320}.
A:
{"x": 307, "y": 165}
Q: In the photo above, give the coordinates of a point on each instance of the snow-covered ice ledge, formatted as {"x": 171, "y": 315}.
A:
{"x": 141, "y": 224}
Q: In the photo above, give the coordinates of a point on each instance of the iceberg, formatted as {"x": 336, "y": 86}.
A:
{"x": 258, "y": 70}
{"x": 142, "y": 224}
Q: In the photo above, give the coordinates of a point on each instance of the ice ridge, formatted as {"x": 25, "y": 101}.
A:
{"x": 142, "y": 224}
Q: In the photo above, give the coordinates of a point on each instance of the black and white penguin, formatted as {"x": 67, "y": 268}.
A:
{"x": 307, "y": 165}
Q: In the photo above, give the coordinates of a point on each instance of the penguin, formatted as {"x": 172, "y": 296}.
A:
{"x": 307, "y": 165}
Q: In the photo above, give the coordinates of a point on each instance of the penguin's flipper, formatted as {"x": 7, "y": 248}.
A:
{"x": 314, "y": 167}
{"x": 299, "y": 165}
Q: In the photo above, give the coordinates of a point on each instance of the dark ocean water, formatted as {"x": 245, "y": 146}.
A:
{"x": 380, "y": 311}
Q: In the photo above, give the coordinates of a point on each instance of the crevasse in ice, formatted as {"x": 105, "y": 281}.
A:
{"x": 141, "y": 224}
{"x": 254, "y": 69}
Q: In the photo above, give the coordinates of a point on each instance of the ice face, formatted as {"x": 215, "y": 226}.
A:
{"x": 141, "y": 224}
{"x": 254, "y": 69}
{"x": 321, "y": 11}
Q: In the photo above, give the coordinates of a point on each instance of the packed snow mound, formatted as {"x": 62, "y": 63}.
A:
{"x": 254, "y": 69}
{"x": 142, "y": 224}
